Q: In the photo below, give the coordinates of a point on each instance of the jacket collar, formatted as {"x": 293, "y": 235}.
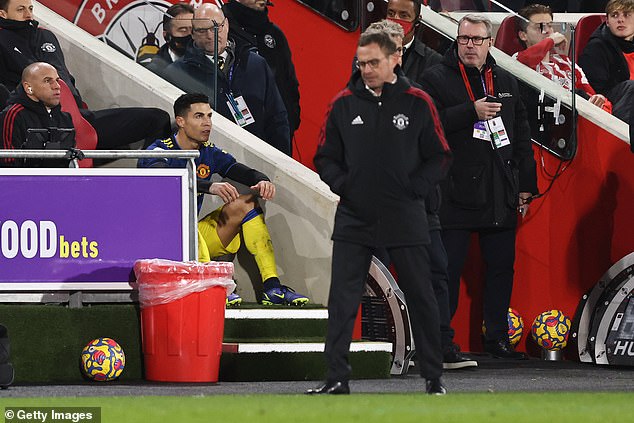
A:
{"x": 451, "y": 59}
{"x": 357, "y": 86}
{"x": 13, "y": 25}
{"x": 18, "y": 96}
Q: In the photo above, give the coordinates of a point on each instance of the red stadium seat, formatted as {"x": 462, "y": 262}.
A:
{"x": 506, "y": 38}
{"x": 585, "y": 28}
{"x": 85, "y": 134}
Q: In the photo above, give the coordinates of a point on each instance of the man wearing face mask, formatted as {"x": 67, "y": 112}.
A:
{"x": 177, "y": 31}
{"x": 416, "y": 55}
{"x": 247, "y": 92}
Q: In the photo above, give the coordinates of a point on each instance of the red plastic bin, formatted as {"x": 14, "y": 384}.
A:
{"x": 182, "y": 336}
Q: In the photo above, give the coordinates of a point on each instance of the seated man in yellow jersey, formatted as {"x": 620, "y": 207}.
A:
{"x": 219, "y": 232}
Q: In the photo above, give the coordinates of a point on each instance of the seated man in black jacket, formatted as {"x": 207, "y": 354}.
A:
{"x": 177, "y": 31}
{"x": 23, "y": 42}
{"x": 34, "y": 105}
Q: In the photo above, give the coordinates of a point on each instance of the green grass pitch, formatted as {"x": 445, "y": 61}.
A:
{"x": 550, "y": 407}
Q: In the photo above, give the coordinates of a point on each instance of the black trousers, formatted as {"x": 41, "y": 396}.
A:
{"x": 127, "y": 125}
{"x": 498, "y": 252}
{"x": 350, "y": 265}
{"x": 439, "y": 280}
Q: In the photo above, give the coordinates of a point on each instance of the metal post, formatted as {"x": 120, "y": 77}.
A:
{"x": 193, "y": 209}
{"x": 215, "y": 97}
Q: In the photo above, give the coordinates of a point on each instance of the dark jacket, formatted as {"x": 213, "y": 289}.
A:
{"x": 603, "y": 62}
{"x": 250, "y": 27}
{"x": 419, "y": 58}
{"x": 382, "y": 155}
{"x": 21, "y": 114}
{"x": 160, "y": 60}
{"x": 478, "y": 192}
{"x": 4, "y": 96}
{"x": 415, "y": 63}
{"x": 23, "y": 43}
{"x": 248, "y": 76}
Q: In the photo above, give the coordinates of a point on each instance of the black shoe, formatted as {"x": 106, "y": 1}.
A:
{"x": 331, "y": 387}
{"x": 453, "y": 359}
{"x": 435, "y": 387}
{"x": 502, "y": 349}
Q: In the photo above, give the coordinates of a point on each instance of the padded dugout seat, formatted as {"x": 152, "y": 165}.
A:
{"x": 85, "y": 134}
{"x": 506, "y": 38}
{"x": 585, "y": 27}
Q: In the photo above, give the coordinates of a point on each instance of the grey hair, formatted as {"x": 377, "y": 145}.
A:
{"x": 477, "y": 19}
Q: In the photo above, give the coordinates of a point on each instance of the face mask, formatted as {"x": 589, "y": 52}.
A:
{"x": 178, "y": 44}
{"x": 407, "y": 25}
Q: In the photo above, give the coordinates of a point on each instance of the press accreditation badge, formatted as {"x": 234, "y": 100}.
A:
{"x": 498, "y": 132}
{"x": 239, "y": 110}
{"x": 480, "y": 131}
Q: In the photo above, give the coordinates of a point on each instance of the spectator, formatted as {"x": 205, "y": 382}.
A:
{"x": 219, "y": 232}
{"x": 23, "y": 43}
{"x": 247, "y": 92}
{"x": 381, "y": 150}
{"x": 546, "y": 53}
{"x": 251, "y": 26}
{"x": 489, "y": 182}
{"x": 177, "y": 32}
{"x": 34, "y": 105}
{"x": 417, "y": 57}
{"x": 608, "y": 58}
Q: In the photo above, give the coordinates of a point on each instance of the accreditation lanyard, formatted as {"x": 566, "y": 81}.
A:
{"x": 487, "y": 83}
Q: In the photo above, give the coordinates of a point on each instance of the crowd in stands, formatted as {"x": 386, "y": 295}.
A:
{"x": 486, "y": 133}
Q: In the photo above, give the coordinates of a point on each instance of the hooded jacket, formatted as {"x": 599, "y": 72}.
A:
{"x": 478, "y": 192}
{"x": 248, "y": 76}
{"x": 21, "y": 114}
{"x": 382, "y": 155}
{"x": 23, "y": 43}
{"x": 603, "y": 62}
{"x": 250, "y": 27}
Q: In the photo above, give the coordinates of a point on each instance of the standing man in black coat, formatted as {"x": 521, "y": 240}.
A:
{"x": 381, "y": 150}
{"x": 493, "y": 175}
{"x": 251, "y": 26}
{"x": 417, "y": 58}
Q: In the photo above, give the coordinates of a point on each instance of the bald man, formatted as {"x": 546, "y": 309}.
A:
{"x": 33, "y": 105}
{"x": 247, "y": 93}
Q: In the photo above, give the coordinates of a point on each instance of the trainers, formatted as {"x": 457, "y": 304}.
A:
{"x": 453, "y": 359}
{"x": 283, "y": 295}
{"x": 234, "y": 300}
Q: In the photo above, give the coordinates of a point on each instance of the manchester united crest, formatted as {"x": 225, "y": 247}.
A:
{"x": 202, "y": 171}
{"x": 269, "y": 41}
{"x": 48, "y": 47}
{"x": 400, "y": 121}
